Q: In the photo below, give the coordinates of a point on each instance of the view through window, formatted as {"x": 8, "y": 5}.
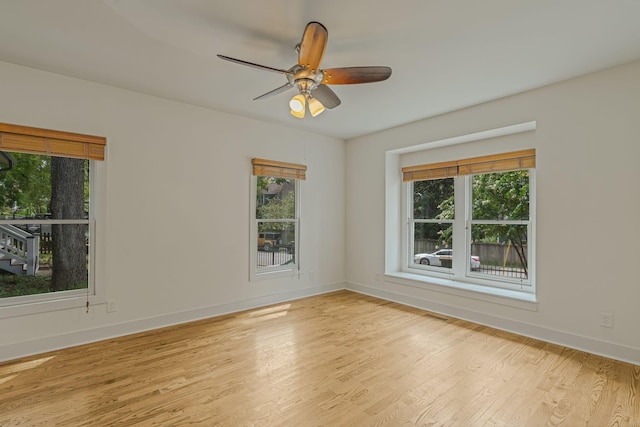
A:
{"x": 44, "y": 225}
{"x": 276, "y": 216}
{"x": 500, "y": 223}
{"x": 433, "y": 215}
{"x": 473, "y": 218}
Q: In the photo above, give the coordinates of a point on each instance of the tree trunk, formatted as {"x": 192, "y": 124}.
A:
{"x": 518, "y": 245}
{"x": 69, "y": 240}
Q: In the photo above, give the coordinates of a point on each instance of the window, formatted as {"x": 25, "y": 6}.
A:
{"x": 46, "y": 221}
{"x": 275, "y": 228}
{"x": 472, "y": 220}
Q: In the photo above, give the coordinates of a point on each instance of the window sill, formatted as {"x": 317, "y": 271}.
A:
{"x": 511, "y": 298}
{"x": 54, "y": 303}
{"x": 275, "y": 274}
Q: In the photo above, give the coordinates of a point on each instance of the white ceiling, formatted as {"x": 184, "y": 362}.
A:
{"x": 445, "y": 55}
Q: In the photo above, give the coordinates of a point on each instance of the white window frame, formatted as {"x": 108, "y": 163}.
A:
{"x": 77, "y": 298}
{"x": 461, "y": 270}
{"x": 396, "y": 224}
{"x": 276, "y": 271}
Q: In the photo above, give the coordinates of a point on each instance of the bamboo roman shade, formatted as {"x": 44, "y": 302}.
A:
{"x": 524, "y": 159}
{"x": 262, "y": 167}
{"x": 23, "y": 139}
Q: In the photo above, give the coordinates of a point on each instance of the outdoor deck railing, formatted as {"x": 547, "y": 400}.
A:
{"x": 21, "y": 246}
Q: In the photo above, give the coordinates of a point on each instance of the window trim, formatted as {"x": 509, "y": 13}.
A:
{"x": 395, "y": 199}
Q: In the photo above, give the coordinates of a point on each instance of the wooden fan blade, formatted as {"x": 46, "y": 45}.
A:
{"x": 353, "y": 75}
{"x": 251, "y": 64}
{"x": 312, "y": 46}
{"x": 276, "y": 91}
{"x": 326, "y": 96}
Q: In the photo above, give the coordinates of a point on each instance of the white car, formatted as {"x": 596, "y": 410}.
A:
{"x": 443, "y": 257}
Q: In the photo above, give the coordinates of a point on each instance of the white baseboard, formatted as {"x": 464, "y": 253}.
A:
{"x": 590, "y": 345}
{"x": 577, "y": 342}
{"x": 72, "y": 339}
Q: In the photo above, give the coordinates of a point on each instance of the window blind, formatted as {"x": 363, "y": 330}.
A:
{"x": 524, "y": 159}
{"x": 24, "y": 139}
{"x": 262, "y": 167}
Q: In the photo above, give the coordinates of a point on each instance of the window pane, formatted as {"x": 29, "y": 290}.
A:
{"x": 38, "y": 258}
{"x": 276, "y": 219}
{"x": 44, "y": 187}
{"x": 275, "y": 198}
{"x": 276, "y": 243}
{"x": 432, "y": 244}
{"x": 433, "y": 199}
{"x": 501, "y": 196}
{"x": 501, "y": 249}
{"x": 47, "y": 258}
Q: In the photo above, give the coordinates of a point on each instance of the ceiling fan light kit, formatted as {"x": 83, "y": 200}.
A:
{"x": 310, "y": 81}
{"x": 315, "y": 107}
{"x": 297, "y": 105}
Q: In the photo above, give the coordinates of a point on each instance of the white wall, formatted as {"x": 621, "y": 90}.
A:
{"x": 588, "y": 208}
{"x": 175, "y": 231}
{"x": 174, "y": 241}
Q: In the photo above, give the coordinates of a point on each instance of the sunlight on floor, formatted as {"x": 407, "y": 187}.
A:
{"x": 18, "y": 367}
{"x": 267, "y": 313}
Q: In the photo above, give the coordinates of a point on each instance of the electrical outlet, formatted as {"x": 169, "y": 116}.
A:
{"x": 606, "y": 320}
{"x": 111, "y": 306}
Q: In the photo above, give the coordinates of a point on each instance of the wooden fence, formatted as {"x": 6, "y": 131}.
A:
{"x": 489, "y": 253}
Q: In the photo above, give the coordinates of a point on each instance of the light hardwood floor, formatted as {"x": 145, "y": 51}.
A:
{"x": 340, "y": 359}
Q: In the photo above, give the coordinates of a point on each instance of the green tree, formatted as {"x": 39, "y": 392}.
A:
{"x": 501, "y": 196}
{"x": 27, "y": 185}
{"x": 496, "y": 197}
{"x": 262, "y": 187}
{"x": 278, "y": 208}
{"x": 433, "y": 199}
{"x": 281, "y": 205}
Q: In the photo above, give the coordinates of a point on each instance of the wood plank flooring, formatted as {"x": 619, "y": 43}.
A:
{"x": 339, "y": 359}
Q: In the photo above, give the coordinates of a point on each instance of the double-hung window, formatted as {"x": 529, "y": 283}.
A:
{"x": 276, "y": 224}
{"x": 472, "y": 220}
{"x": 46, "y": 220}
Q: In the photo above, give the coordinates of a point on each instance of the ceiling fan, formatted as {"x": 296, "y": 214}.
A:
{"x": 310, "y": 80}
